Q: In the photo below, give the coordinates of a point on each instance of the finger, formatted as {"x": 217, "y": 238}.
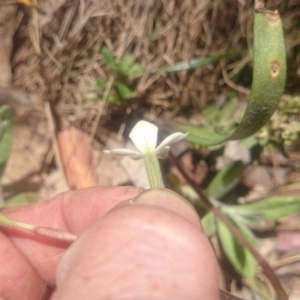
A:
{"x": 72, "y": 211}
{"x": 143, "y": 249}
{"x": 19, "y": 280}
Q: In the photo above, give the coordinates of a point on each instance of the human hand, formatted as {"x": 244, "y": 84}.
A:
{"x": 131, "y": 245}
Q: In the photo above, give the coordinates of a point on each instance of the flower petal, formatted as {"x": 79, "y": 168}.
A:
{"x": 144, "y": 136}
{"x": 170, "y": 140}
{"x": 125, "y": 152}
{"x": 162, "y": 152}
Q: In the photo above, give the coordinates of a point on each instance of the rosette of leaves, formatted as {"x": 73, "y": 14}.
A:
{"x": 122, "y": 72}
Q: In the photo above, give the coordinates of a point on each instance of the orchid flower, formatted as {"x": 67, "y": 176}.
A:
{"x": 144, "y": 137}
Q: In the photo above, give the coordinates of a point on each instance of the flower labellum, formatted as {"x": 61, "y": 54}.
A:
{"x": 144, "y": 137}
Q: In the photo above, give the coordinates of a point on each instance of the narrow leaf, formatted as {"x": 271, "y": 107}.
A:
{"x": 209, "y": 224}
{"x": 225, "y": 180}
{"x": 244, "y": 229}
{"x": 272, "y": 208}
{"x": 240, "y": 258}
{"x": 197, "y": 62}
{"x": 201, "y": 136}
{"x": 258, "y": 286}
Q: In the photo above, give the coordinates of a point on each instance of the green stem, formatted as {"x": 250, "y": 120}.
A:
{"x": 41, "y": 231}
{"x": 9, "y": 222}
{"x": 153, "y": 170}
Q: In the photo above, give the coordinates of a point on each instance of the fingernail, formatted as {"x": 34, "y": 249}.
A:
{"x": 171, "y": 201}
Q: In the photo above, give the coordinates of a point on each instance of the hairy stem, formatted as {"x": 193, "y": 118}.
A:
{"x": 153, "y": 170}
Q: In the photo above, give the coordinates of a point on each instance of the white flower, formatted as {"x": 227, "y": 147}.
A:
{"x": 144, "y": 137}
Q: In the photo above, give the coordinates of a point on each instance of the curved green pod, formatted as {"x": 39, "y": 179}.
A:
{"x": 269, "y": 73}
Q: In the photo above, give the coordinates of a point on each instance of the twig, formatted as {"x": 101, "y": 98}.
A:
{"x": 230, "y": 83}
{"x": 53, "y": 135}
{"x": 33, "y": 27}
{"x": 286, "y": 261}
{"x": 235, "y": 232}
{"x": 103, "y": 105}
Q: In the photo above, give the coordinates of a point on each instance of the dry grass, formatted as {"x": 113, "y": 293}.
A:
{"x": 155, "y": 32}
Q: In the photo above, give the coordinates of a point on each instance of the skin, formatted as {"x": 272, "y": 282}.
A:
{"x": 130, "y": 245}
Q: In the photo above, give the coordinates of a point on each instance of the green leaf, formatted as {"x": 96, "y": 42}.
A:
{"x": 240, "y": 258}
{"x": 113, "y": 98}
{"x": 258, "y": 286}
{"x": 272, "y": 208}
{"x": 136, "y": 69}
{"x": 250, "y": 218}
{"x": 210, "y": 114}
{"x": 244, "y": 229}
{"x": 126, "y": 64}
{"x": 249, "y": 142}
{"x": 225, "y": 180}
{"x": 209, "y": 224}
{"x": 23, "y": 199}
{"x": 201, "y": 136}
{"x": 129, "y": 67}
{"x": 101, "y": 84}
{"x": 109, "y": 58}
{"x": 189, "y": 194}
{"x": 269, "y": 73}
{"x": 217, "y": 122}
{"x": 7, "y": 137}
{"x": 197, "y": 62}
{"x": 228, "y": 110}
{"x": 124, "y": 91}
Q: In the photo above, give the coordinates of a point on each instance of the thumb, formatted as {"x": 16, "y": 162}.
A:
{"x": 149, "y": 248}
